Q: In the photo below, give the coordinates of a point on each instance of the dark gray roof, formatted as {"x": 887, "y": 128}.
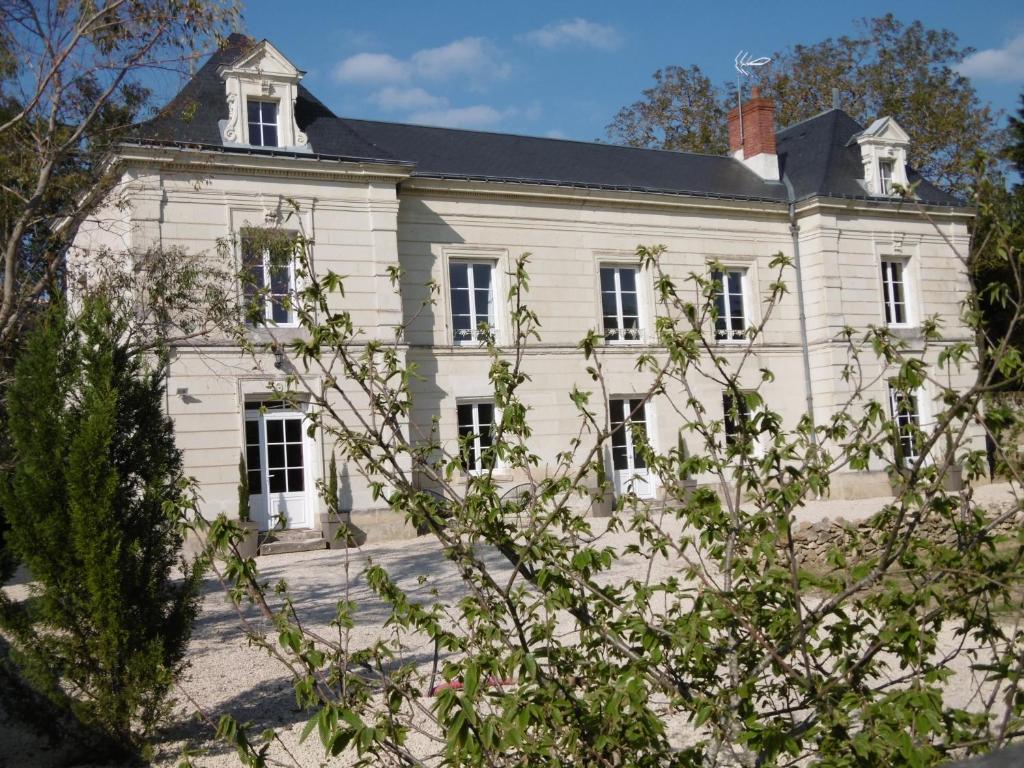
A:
{"x": 814, "y": 155}
{"x": 447, "y": 152}
{"x": 193, "y": 115}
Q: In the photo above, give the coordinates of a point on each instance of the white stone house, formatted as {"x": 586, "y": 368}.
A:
{"x": 457, "y": 207}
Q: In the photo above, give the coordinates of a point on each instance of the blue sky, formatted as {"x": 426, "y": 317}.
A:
{"x": 564, "y": 68}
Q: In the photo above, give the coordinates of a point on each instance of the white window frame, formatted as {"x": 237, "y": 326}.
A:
{"x": 626, "y": 427}
{"x": 887, "y": 284}
{"x": 492, "y": 313}
{"x": 478, "y": 468}
{"x": 641, "y": 324}
{"x": 728, "y": 337}
{"x": 276, "y": 123}
{"x": 268, "y": 297}
{"x": 917, "y": 417}
{"x": 885, "y": 182}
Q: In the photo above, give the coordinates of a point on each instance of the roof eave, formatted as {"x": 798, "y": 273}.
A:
{"x": 228, "y": 158}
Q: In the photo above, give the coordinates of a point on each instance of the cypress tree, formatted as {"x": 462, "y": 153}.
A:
{"x": 107, "y": 628}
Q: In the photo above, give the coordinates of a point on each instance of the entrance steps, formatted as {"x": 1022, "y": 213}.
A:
{"x": 292, "y": 540}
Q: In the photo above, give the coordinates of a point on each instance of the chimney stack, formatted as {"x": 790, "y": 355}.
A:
{"x": 754, "y": 141}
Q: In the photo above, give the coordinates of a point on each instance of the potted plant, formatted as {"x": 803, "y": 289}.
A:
{"x": 247, "y": 547}
{"x": 953, "y": 476}
{"x": 334, "y": 523}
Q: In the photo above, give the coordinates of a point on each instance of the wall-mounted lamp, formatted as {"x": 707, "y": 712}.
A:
{"x": 278, "y": 357}
{"x": 182, "y": 392}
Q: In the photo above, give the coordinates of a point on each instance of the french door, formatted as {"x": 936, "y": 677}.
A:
{"x": 279, "y": 459}
{"x": 629, "y": 418}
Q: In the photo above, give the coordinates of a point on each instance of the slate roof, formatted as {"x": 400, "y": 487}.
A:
{"x": 813, "y": 154}
{"x": 815, "y": 157}
{"x": 192, "y": 116}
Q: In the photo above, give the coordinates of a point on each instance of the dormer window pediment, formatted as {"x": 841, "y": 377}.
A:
{"x": 883, "y": 151}
{"x": 261, "y": 87}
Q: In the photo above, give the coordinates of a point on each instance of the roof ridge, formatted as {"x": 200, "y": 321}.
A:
{"x": 592, "y": 143}
{"x": 823, "y": 112}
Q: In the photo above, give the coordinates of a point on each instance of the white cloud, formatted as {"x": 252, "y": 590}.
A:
{"x": 1006, "y": 63}
{"x": 356, "y": 38}
{"x": 479, "y": 116}
{"x": 393, "y": 99}
{"x": 371, "y": 68}
{"x": 575, "y": 31}
{"x": 475, "y": 57}
{"x": 554, "y": 133}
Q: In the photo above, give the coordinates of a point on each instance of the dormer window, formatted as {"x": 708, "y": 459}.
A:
{"x": 885, "y": 169}
{"x": 883, "y": 152}
{"x": 262, "y": 123}
{"x": 261, "y": 87}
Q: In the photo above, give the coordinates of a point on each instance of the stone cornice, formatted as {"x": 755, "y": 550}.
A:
{"x": 883, "y": 208}
{"x": 572, "y": 195}
{"x": 206, "y": 161}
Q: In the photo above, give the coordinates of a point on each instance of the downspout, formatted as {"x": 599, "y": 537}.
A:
{"x": 794, "y": 231}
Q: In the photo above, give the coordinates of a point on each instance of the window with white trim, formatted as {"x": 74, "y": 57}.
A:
{"x": 262, "y": 120}
{"x": 476, "y": 422}
{"x": 472, "y": 296}
{"x": 620, "y": 304}
{"x": 268, "y": 278}
{"x": 730, "y": 304}
{"x": 905, "y": 412}
{"x": 885, "y": 172}
{"x": 894, "y": 292}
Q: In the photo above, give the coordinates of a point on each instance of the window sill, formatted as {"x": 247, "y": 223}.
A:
{"x": 906, "y": 332}
{"x": 498, "y": 475}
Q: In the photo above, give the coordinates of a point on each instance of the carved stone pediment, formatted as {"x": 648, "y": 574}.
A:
{"x": 262, "y": 73}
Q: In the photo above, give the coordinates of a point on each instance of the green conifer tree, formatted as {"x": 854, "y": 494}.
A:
{"x": 96, "y": 462}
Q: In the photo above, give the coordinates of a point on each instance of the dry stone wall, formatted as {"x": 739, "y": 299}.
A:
{"x": 814, "y": 541}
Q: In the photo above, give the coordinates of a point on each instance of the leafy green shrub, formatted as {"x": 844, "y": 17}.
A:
{"x": 105, "y": 631}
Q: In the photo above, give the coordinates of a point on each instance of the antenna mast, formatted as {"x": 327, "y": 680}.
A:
{"x": 743, "y": 64}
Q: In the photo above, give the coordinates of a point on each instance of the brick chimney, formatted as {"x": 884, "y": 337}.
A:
{"x": 756, "y": 148}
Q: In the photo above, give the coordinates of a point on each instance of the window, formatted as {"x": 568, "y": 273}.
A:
{"x": 280, "y": 448}
{"x": 620, "y": 304}
{"x": 885, "y": 170}
{"x": 894, "y": 292}
{"x": 629, "y": 425}
{"x": 730, "y": 304}
{"x": 262, "y": 123}
{"x": 472, "y": 288}
{"x": 904, "y": 409}
{"x": 475, "y": 423}
{"x": 268, "y": 268}
{"x": 736, "y": 414}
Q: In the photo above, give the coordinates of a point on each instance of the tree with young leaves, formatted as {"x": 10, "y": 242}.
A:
{"x": 887, "y": 68}
{"x": 73, "y": 79}
{"x": 720, "y": 645}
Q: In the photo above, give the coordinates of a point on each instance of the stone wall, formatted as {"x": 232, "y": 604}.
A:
{"x": 814, "y": 541}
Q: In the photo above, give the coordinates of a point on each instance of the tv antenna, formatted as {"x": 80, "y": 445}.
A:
{"x": 744, "y": 63}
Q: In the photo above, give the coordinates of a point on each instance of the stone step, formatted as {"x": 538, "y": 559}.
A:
{"x": 294, "y": 534}
{"x": 298, "y": 545}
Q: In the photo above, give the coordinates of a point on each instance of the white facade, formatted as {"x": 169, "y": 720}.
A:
{"x": 365, "y": 218}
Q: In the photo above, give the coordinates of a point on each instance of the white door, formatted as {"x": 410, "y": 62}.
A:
{"x": 629, "y": 471}
{"x": 279, "y": 459}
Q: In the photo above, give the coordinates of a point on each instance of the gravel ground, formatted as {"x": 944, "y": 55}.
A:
{"x": 227, "y": 675}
